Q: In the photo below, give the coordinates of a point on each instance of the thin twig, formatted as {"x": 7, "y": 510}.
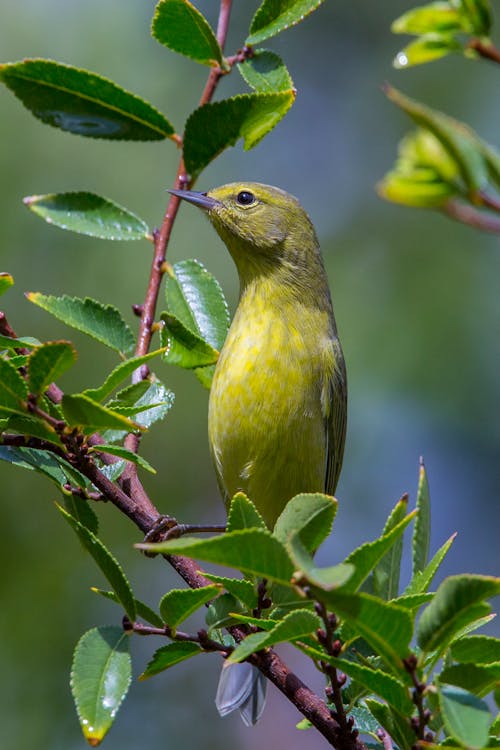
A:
{"x": 485, "y": 49}
{"x": 471, "y": 216}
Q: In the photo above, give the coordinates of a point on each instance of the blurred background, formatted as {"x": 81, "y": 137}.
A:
{"x": 417, "y": 305}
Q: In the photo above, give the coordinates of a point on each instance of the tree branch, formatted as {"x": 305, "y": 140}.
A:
{"x": 485, "y": 49}
{"x": 471, "y": 216}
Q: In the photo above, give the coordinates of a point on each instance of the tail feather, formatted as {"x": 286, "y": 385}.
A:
{"x": 242, "y": 687}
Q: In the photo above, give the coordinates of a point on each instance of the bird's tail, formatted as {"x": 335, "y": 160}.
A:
{"x": 242, "y": 687}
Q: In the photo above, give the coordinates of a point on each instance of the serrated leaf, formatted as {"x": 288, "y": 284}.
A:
{"x": 178, "y": 25}
{"x": 23, "y": 342}
{"x": 108, "y": 565}
{"x": 363, "y": 720}
{"x": 427, "y": 49}
{"x": 243, "y": 514}
{"x": 118, "y": 450}
{"x": 265, "y": 71}
{"x": 214, "y": 127}
{"x": 412, "y": 601}
{"x": 310, "y": 516}
{"x": 119, "y": 374}
{"x": 168, "y": 656}
{"x": 274, "y": 16}
{"x": 476, "y": 649}
{"x": 81, "y": 411}
{"x": 46, "y": 463}
{"x": 422, "y": 530}
{"x": 479, "y": 679}
{"x": 183, "y": 347}
{"x": 32, "y": 426}
{"x": 178, "y": 604}
{"x": 453, "y": 607}
{"x": 435, "y": 17}
{"x": 156, "y": 403}
{"x": 13, "y": 389}
{"x": 48, "y": 362}
{"x": 6, "y": 281}
{"x": 252, "y": 551}
{"x": 102, "y": 322}
{"x": 329, "y": 578}
{"x": 396, "y": 726}
{"x": 220, "y": 612}
{"x": 238, "y": 587}
{"x": 465, "y": 716}
{"x": 295, "y": 625}
{"x": 80, "y": 509}
{"x": 143, "y": 610}
{"x": 422, "y": 580}
{"x": 82, "y": 102}
{"x": 88, "y": 213}
{"x": 100, "y": 677}
{"x": 263, "y": 623}
{"x": 386, "y": 573}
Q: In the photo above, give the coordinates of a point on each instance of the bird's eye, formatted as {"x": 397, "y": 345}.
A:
{"x": 245, "y": 198}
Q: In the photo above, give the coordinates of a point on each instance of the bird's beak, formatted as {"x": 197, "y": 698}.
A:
{"x": 198, "y": 199}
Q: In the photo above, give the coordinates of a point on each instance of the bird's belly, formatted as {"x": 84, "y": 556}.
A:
{"x": 266, "y": 426}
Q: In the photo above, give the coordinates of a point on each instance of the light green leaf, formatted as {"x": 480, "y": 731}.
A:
{"x": 329, "y": 578}
{"x": 143, "y": 610}
{"x": 46, "y": 463}
{"x": 396, "y": 726}
{"x": 100, "y": 677}
{"x": 118, "y": 450}
{"x": 214, "y": 127}
{"x": 243, "y": 514}
{"x": 477, "y": 14}
{"x": 422, "y": 531}
{"x": 23, "y": 342}
{"x": 435, "y": 17}
{"x": 265, "y": 71}
{"x": 479, "y": 679}
{"x": 102, "y": 322}
{"x": 476, "y": 649}
{"x": 252, "y": 551}
{"x": 106, "y": 562}
{"x": 310, "y": 516}
{"x": 453, "y": 607}
{"x": 119, "y": 374}
{"x": 178, "y": 604}
{"x": 83, "y": 103}
{"x": 274, "y": 16}
{"x": 183, "y": 347}
{"x": 88, "y": 213}
{"x": 412, "y": 601}
{"x": 180, "y": 26}
{"x": 297, "y": 624}
{"x": 422, "y": 580}
{"x": 427, "y": 49}
{"x": 6, "y": 281}
{"x": 48, "y": 362}
{"x": 386, "y": 573}
{"x": 13, "y": 389}
{"x": 156, "y": 402}
{"x": 239, "y": 588}
{"x": 363, "y": 720}
{"x": 80, "y": 411}
{"x": 413, "y": 191}
{"x": 465, "y": 716}
{"x": 168, "y": 656}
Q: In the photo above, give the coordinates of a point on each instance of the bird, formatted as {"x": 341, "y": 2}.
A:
{"x": 278, "y": 400}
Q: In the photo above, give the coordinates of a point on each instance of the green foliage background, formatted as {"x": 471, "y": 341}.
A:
{"x": 416, "y": 300}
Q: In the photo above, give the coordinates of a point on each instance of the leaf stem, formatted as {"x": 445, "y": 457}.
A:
{"x": 485, "y": 49}
{"x": 471, "y": 216}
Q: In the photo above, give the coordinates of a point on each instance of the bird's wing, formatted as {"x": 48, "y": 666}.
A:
{"x": 335, "y": 411}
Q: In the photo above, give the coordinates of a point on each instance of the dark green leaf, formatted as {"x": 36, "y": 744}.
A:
{"x": 386, "y": 573}
{"x": 422, "y": 531}
{"x": 396, "y": 726}
{"x": 465, "y": 716}
{"x": 45, "y": 462}
{"x": 243, "y": 514}
{"x": 216, "y": 126}
{"x": 295, "y": 625}
{"x": 6, "y": 281}
{"x": 310, "y": 515}
{"x": 80, "y": 411}
{"x": 106, "y": 562}
{"x": 253, "y": 551}
{"x": 476, "y": 649}
{"x": 422, "y": 580}
{"x": 168, "y": 656}
{"x": 221, "y": 611}
{"x": 143, "y": 610}
{"x": 453, "y": 607}
{"x": 240, "y": 588}
{"x": 183, "y": 347}
{"x": 83, "y": 103}
{"x": 263, "y": 623}
{"x": 88, "y": 213}
{"x": 102, "y": 322}
{"x": 180, "y": 26}
{"x": 265, "y": 71}
{"x": 100, "y": 678}
{"x": 48, "y": 362}
{"x": 479, "y": 679}
{"x": 178, "y": 604}
{"x": 275, "y": 16}
{"x": 329, "y": 578}
{"x": 118, "y": 450}
{"x": 477, "y": 13}
{"x": 82, "y": 511}
{"x": 13, "y": 389}
{"x": 32, "y": 426}
{"x": 119, "y": 374}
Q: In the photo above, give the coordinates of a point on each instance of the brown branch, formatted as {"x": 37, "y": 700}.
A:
{"x": 471, "y": 216}
{"x": 484, "y": 49}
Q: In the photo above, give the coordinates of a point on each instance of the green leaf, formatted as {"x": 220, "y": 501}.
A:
{"x": 479, "y": 679}
{"x": 477, "y": 13}
{"x": 453, "y": 607}
{"x": 168, "y": 656}
{"x": 465, "y": 716}
{"x": 297, "y": 624}
{"x": 363, "y": 720}
{"x": 422, "y": 531}
{"x": 239, "y": 588}
{"x": 476, "y": 649}
{"x": 366, "y": 557}
{"x": 421, "y": 581}
{"x": 106, "y": 562}
{"x": 49, "y": 464}
{"x": 310, "y": 515}
{"x": 119, "y": 374}
{"x": 178, "y": 604}
{"x": 13, "y": 389}
{"x": 181, "y": 27}
{"x": 274, "y": 16}
{"x": 432, "y": 18}
{"x": 386, "y": 573}
{"x": 427, "y": 49}
{"x": 263, "y": 623}
{"x": 412, "y": 601}
{"x": 6, "y": 281}
{"x": 81, "y": 510}
{"x": 143, "y": 610}
{"x": 32, "y": 426}
{"x": 183, "y": 347}
{"x": 243, "y": 514}
{"x": 326, "y": 578}
{"x": 414, "y": 191}
{"x": 102, "y": 322}
{"x": 88, "y": 213}
{"x": 221, "y": 612}
{"x": 80, "y": 411}
{"x": 23, "y": 342}
{"x": 100, "y": 677}
{"x": 83, "y": 103}
{"x": 48, "y": 362}
{"x": 265, "y": 71}
{"x": 156, "y": 403}
{"x": 396, "y": 726}
{"x": 252, "y": 551}
{"x": 118, "y": 450}
{"x": 214, "y": 127}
